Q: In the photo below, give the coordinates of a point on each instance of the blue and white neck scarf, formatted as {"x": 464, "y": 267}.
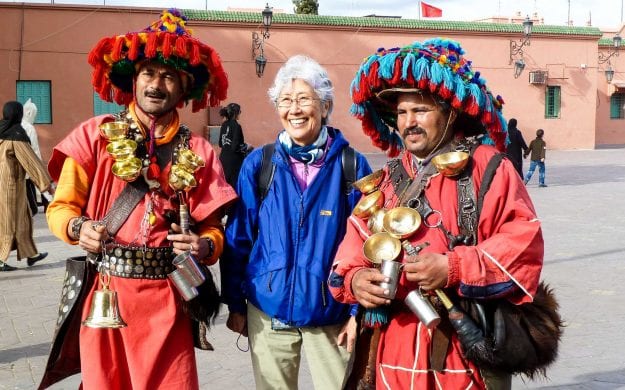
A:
{"x": 308, "y": 154}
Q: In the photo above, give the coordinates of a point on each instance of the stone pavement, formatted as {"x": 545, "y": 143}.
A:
{"x": 583, "y": 216}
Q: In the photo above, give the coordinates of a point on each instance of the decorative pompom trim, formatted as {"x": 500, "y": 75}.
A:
{"x": 168, "y": 41}
{"x": 436, "y": 65}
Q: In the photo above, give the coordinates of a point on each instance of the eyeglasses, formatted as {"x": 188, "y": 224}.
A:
{"x": 301, "y": 101}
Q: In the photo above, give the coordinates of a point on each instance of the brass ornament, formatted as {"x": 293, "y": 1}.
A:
{"x": 451, "y": 164}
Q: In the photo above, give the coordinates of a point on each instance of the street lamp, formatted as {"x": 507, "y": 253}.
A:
{"x": 258, "y": 50}
{"x": 616, "y": 43}
{"x": 517, "y": 48}
{"x": 609, "y": 74}
{"x": 519, "y": 65}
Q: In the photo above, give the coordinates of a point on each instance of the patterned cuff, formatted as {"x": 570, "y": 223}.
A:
{"x": 453, "y": 275}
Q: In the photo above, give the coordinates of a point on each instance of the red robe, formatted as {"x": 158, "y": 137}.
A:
{"x": 510, "y": 244}
{"x": 155, "y": 350}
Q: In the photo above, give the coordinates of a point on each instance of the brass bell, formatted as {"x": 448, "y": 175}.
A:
{"x": 104, "y": 312}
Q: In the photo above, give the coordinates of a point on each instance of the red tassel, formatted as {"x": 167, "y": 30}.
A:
{"x": 97, "y": 53}
{"x": 133, "y": 53}
{"x": 151, "y": 45}
{"x": 116, "y": 51}
{"x": 396, "y": 80}
{"x": 98, "y": 77}
{"x": 154, "y": 171}
{"x": 194, "y": 58}
{"x": 181, "y": 47}
{"x": 167, "y": 44}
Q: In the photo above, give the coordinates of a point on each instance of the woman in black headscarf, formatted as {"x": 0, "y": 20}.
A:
{"x": 16, "y": 159}
{"x": 516, "y": 147}
{"x": 232, "y": 143}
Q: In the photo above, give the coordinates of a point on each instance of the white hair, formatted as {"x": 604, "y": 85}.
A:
{"x": 304, "y": 68}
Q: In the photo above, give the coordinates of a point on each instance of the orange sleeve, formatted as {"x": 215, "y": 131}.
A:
{"x": 212, "y": 228}
{"x": 70, "y": 198}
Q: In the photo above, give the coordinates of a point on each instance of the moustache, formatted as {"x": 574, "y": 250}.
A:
{"x": 155, "y": 93}
{"x": 413, "y": 130}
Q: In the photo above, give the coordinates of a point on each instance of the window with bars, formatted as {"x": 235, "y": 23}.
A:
{"x": 101, "y": 107}
{"x": 40, "y": 93}
{"x": 552, "y": 102}
{"x": 617, "y": 100}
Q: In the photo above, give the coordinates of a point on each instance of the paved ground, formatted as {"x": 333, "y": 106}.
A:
{"x": 583, "y": 214}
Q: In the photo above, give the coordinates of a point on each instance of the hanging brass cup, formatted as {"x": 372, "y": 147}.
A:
{"x": 104, "y": 311}
{"x": 451, "y": 164}
{"x": 127, "y": 170}
{"x": 122, "y": 149}
{"x": 180, "y": 179}
{"x": 401, "y": 222}
{"x": 381, "y": 247}
{"x": 370, "y": 182}
{"x": 376, "y": 221}
{"x": 190, "y": 160}
{"x": 369, "y": 204}
{"x": 113, "y": 131}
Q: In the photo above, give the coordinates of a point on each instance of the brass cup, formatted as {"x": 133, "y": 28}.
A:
{"x": 451, "y": 164}
{"x": 127, "y": 170}
{"x": 113, "y": 131}
{"x": 190, "y": 159}
{"x": 376, "y": 221}
{"x": 370, "y": 182}
{"x": 369, "y": 204}
{"x": 122, "y": 149}
{"x": 180, "y": 179}
{"x": 381, "y": 247}
{"x": 401, "y": 222}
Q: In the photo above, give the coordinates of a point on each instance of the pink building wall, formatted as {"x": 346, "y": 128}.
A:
{"x": 56, "y": 40}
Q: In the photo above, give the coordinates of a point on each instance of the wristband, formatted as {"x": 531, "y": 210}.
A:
{"x": 77, "y": 225}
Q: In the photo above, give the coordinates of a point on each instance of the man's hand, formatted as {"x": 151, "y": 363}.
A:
{"x": 189, "y": 242}
{"x": 237, "y": 322}
{"x": 366, "y": 289}
{"x": 429, "y": 270}
{"x": 92, "y": 233}
{"x": 347, "y": 335}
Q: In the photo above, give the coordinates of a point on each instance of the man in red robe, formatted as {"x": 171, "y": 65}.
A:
{"x": 425, "y": 99}
{"x": 152, "y": 72}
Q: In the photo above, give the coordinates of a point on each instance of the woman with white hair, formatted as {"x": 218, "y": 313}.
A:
{"x": 281, "y": 240}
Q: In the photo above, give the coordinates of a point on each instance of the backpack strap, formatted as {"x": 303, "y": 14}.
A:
{"x": 400, "y": 179}
{"x": 267, "y": 170}
{"x": 349, "y": 165}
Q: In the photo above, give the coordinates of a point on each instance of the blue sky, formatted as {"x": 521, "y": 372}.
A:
{"x": 607, "y": 14}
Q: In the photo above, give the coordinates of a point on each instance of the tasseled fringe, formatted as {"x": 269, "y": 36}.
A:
{"x": 387, "y": 65}
{"x": 99, "y": 51}
{"x": 181, "y": 47}
{"x": 194, "y": 57}
{"x": 118, "y": 45}
{"x": 167, "y": 44}
{"x": 98, "y": 78}
{"x": 151, "y": 46}
{"x": 376, "y": 317}
{"x": 133, "y": 52}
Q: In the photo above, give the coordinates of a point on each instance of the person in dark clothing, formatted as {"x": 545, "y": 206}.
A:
{"x": 232, "y": 143}
{"x": 538, "y": 149}
{"x": 516, "y": 146}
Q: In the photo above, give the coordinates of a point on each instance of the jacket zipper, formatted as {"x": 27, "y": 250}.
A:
{"x": 269, "y": 282}
{"x": 323, "y": 294}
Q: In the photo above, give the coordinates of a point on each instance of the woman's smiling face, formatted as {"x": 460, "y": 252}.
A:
{"x": 301, "y": 112}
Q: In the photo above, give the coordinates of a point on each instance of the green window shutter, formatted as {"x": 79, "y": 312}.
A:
{"x": 552, "y": 102}
{"x": 101, "y": 107}
{"x": 40, "y": 92}
{"x": 616, "y": 106}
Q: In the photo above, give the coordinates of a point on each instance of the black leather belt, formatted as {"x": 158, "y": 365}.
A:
{"x": 138, "y": 262}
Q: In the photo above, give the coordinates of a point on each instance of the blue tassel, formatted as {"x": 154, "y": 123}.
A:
{"x": 387, "y": 65}
{"x": 376, "y": 317}
{"x": 407, "y": 65}
{"x": 421, "y": 70}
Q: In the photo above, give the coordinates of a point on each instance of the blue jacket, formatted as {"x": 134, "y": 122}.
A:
{"x": 278, "y": 253}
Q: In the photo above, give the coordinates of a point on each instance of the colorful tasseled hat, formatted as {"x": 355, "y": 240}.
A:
{"x": 169, "y": 42}
{"x": 437, "y": 66}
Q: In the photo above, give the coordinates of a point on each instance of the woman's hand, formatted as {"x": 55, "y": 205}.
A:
{"x": 347, "y": 335}
{"x": 237, "y": 322}
{"x": 366, "y": 289}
